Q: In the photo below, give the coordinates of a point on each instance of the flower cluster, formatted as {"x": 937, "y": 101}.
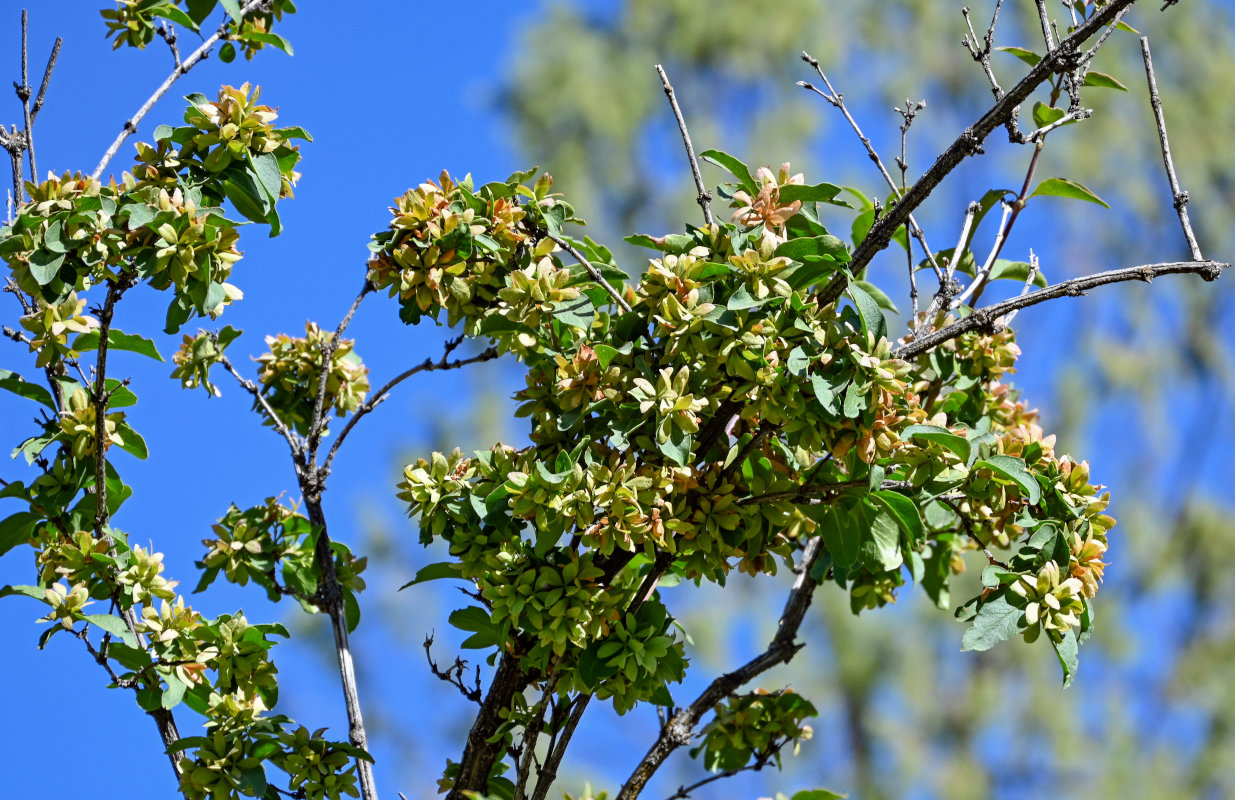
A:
{"x": 756, "y": 725}
{"x": 291, "y": 376}
{"x": 197, "y": 354}
{"x": 50, "y": 325}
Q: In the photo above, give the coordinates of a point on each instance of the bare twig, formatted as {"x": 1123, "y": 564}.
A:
{"x": 99, "y": 397}
{"x": 782, "y": 648}
{"x": 1045, "y": 20}
{"x": 330, "y": 599}
{"x": 967, "y": 527}
{"x": 454, "y": 673}
{"x": 380, "y": 396}
{"x": 1071, "y": 116}
{"x": 1034, "y": 269}
{"x": 983, "y": 272}
{"x": 838, "y": 101}
{"x": 963, "y": 241}
{"x": 293, "y": 439}
{"x": 130, "y": 124}
{"x": 987, "y": 318}
{"x": 24, "y": 92}
{"x": 908, "y": 114}
{"x": 705, "y": 197}
{"x": 167, "y": 33}
{"x": 982, "y": 54}
{"x": 531, "y": 734}
{"x": 1179, "y": 195}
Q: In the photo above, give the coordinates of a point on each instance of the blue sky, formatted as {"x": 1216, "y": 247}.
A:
{"x": 390, "y": 103}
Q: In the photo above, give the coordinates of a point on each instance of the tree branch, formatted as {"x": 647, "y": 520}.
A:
{"x": 592, "y": 272}
{"x": 781, "y": 649}
{"x": 317, "y": 422}
{"x": 988, "y": 318}
{"x": 99, "y": 398}
{"x": 293, "y": 440}
{"x": 970, "y": 143}
{"x": 548, "y": 773}
{"x": 479, "y": 753}
{"x": 330, "y": 598}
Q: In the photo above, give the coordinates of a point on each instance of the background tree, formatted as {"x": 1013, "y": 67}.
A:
{"x": 697, "y": 135}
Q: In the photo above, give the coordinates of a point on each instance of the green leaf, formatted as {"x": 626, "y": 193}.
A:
{"x": 16, "y": 529}
{"x": 36, "y": 444}
{"x": 173, "y": 14}
{"x": 140, "y": 215}
{"x": 742, "y": 299}
{"x": 1044, "y": 115}
{"x": 432, "y": 572}
{"x": 735, "y": 167}
{"x": 1028, "y": 56}
{"x": 642, "y": 240}
{"x": 232, "y": 7}
{"x": 133, "y": 444}
{"x": 606, "y": 353}
{"x": 113, "y": 625}
{"x": 1062, "y": 187}
{"x": 351, "y": 611}
{"x": 818, "y": 794}
{"x": 295, "y": 132}
{"x": 861, "y": 226}
{"x": 54, "y": 238}
{"x": 677, "y": 447}
{"x": 45, "y": 265}
{"x": 941, "y": 436}
{"x": 577, "y": 313}
{"x": 118, "y": 340}
{"x": 26, "y": 591}
{"x": 1014, "y": 470}
{"x": 881, "y": 546}
{"x": 252, "y": 781}
{"x": 994, "y": 576}
{"x": 842, "y": 536}
{"x": 1103, "y": 81}
{"x": 878, "y": 295}
{"x": 12, "y": 382}
{"x": 905, "y": 512}
{"x": 872, "y": 315}
{"x": 248, "y": 198}
{"x": 819, "y": 193}
{"x": 476, "y": 620}
{"x": 271, "y": 39}
{"x": 997, "y": 620}
{"x": 120, "y": 396}
{"x": 269, "y": 176}
{"x": 1014, "y": 270}
{"x": 200, "y": 9}
{"x": 806, "y": 248}
{"x": 1069, "y": 658}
